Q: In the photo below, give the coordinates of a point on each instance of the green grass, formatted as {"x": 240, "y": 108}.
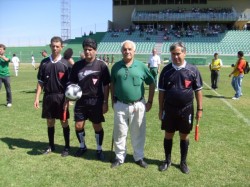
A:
{"x": 220, "y": 158}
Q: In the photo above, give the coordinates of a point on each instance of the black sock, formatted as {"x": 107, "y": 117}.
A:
{"x": 66, "y": 134}
{"x": 184, "y": 149}
{"x": 80, "y": 136}
{"x": 51, "y": 132}
{"x": 168, "y": 149}
{"x": 99, "y": 139}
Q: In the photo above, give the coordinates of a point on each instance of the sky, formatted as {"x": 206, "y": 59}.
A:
{"x": 34, "y": 22}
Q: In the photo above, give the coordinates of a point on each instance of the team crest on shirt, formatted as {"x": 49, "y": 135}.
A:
{"x": 187, "y": 83}
{"x": 94, "y": 81}
{"x": 60, "y": 75}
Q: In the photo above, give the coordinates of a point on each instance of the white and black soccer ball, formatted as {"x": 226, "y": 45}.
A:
{"x": 73, "y": 92}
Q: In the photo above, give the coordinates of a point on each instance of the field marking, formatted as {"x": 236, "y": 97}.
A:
{"x": 239, "y": 115}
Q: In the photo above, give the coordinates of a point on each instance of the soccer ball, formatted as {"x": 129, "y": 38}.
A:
{"x": 73, "y": 92}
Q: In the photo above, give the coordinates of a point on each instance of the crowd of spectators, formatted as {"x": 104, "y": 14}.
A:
{"x": 169, "y": 31}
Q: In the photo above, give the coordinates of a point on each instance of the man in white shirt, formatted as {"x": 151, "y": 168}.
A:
{"x": 15, "y": 60}
{"x": 154, "y": 63}
{"x": 33, "y": 62}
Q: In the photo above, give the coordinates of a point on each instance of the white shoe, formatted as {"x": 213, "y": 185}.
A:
{"x": 9, "y": 105}
{"x": 235, "y": 98}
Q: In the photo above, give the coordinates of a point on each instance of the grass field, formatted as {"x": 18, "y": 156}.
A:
{"x": 220, "y": 158}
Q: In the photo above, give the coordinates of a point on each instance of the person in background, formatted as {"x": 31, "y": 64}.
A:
{"x": 179, "y": 82}
{"x": 127, "y": 90}
{"x": 154, "y": 64}
{"x": 82, "y": 55}
{"x": 33, "y": 62}
{"x": 5, "y": 74}
{"x": 215, "y": 67}
{"x": 238, "y": 74}
{"x": 15, "y": 60}
{"x": 44, "y": 55}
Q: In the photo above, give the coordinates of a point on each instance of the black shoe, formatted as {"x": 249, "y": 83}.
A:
{"x": 184, "y": 167}
{"x": 48, "y": 150}
{"x": 80, "y": 151}
{"x": 142, "y": 163}
{"x": 100, "y": 155}
{"x": 164, "y": 166}
{"x": 65, "y": 152}
{"x": 116, "y": 163}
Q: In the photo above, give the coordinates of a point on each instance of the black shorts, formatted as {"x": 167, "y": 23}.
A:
{"x": 93, "y": 113}
{"x": 53, "y": 106}
{"x": 178, "y": 119}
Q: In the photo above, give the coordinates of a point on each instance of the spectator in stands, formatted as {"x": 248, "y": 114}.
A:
{"x": 5, "y": 74}
{"x": 238, "y": 74}
{"x": 154, "y": 65}
{"x": 215, "y": 67}
{"x": 127, "y": 91}
{"x": 15, "y": 60}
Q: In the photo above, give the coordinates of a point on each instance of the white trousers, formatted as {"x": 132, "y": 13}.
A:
{"x": 129, "y": 117}
{"x": 16, "y": 69}
{"x": 33, "y": 63}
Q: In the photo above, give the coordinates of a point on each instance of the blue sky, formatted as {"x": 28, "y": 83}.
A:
{"x": 34, "y": 22}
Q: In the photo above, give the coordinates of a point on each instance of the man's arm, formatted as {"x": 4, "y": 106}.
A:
{"x": 150, "y": 96}
{"x": 5, "y": 58}
{"x": 198, "y": 97}
{"x": 106, "y": 98}
{"x": 160, "y": 100}
{"x": 38, "y": 92}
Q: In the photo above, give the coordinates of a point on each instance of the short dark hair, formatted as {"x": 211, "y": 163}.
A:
{"x": 2, "y": 46}
{"x": 240, "y": 53}
{"x": 56, "y": 39}
{"x": 89, "y": 42}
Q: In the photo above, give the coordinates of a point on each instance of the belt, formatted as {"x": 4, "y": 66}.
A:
{"x": 129, "y": 103}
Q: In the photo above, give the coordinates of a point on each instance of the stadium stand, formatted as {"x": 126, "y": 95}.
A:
{"x": 202, "y": 25}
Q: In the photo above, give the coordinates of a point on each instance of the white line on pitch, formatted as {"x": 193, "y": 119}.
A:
{"x": 240, "y": 115}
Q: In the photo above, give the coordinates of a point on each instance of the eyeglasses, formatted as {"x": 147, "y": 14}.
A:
{"x": 126, "y": 74}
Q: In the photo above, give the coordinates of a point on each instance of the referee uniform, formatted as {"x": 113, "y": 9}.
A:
{"x": 93, "y": 77}
{"x": 52, "y": 78}
{"x": 178, "y": 84}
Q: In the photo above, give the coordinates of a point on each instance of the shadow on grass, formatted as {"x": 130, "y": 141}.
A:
{"x": 215, "y": 96}
{"x": 37, "y": 148}
{"x": 30, "y": 91}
